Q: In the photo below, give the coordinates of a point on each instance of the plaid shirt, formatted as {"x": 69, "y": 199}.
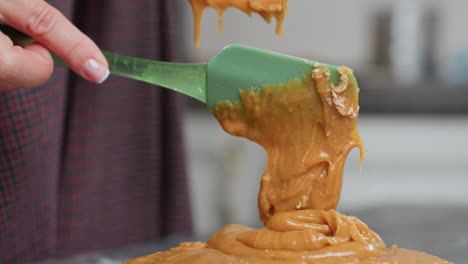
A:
{"x": 86, "y": 167}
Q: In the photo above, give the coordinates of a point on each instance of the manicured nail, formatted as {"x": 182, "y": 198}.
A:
{"x": 95, "y": 71}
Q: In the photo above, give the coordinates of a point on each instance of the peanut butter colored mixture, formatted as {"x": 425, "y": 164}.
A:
{"x": 308, "y": 128}
{"x": 265, "y": 8}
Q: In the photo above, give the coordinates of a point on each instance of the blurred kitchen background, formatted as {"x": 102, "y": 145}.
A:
{"x": 411, "y": 60}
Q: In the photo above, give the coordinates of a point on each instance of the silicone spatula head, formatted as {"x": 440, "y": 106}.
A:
{"x": 239, "y": 67}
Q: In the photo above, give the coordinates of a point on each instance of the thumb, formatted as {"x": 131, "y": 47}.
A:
{"x": 23, "y": 67}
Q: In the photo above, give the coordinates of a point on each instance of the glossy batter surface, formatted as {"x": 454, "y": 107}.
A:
{"x": 307, "y": 127}
{"x": 265, "y": 8}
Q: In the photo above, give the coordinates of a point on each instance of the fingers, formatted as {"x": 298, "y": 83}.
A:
{"x": 52, "y": 29}
{"x": 23, "y": 67}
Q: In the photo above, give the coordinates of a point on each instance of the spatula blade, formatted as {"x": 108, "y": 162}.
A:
{"x": 239, "y": 67}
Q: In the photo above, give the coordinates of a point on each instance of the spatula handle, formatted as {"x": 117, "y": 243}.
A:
{"x": 185, "y": 78}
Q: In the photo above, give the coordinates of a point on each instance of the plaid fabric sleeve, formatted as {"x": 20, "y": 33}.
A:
{"x": 84, "y": 166}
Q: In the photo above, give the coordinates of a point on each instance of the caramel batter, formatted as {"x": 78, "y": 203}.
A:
{"x": 307, "y": 127}
{"x": 265, "y": 8}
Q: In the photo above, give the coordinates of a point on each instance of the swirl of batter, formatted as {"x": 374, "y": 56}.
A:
{"x": 311, "y": 230}
{"x": 298, "y": 237}
{"x": 306, "y": 235}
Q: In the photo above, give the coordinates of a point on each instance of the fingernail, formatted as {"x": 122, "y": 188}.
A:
{"x": 95, "y": 71}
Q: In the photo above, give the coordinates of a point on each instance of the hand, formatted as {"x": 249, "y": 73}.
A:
{"x": 32, "y": 65}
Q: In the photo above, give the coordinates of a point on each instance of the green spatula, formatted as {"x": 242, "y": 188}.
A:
{"x": 235, "y": 68}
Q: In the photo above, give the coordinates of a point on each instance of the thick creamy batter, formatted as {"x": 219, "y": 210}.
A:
{"x": 265, "y": 8}
{"x": 307, "y": 127}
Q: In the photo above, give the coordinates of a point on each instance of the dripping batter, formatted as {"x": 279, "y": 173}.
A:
{"x": 265, "y": 8}
{"x": 307, "y": 128}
